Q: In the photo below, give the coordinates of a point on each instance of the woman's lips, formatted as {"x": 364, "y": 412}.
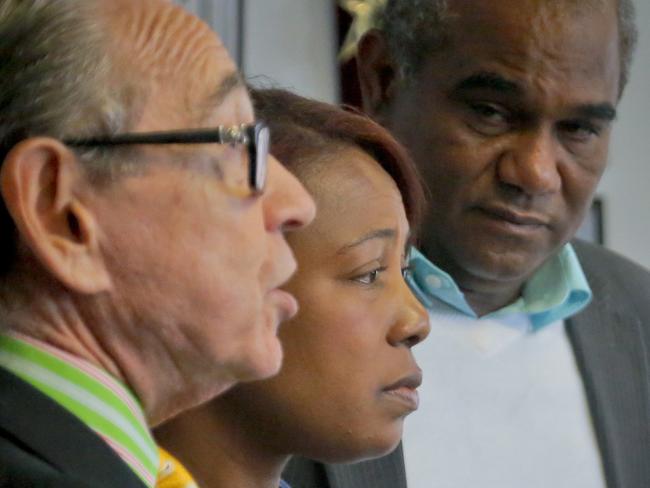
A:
{"x": 405, "y": 390}
{"x": 407, "y": 396}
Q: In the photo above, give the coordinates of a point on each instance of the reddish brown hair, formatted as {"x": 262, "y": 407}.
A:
{"x": 303, "y": 130}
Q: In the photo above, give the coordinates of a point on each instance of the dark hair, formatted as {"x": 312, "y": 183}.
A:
{"x": 415, "y": 28}
{"x": 302, "y": 128}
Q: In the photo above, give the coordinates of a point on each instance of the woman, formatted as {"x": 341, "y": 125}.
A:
{"x": 348, "y": 378}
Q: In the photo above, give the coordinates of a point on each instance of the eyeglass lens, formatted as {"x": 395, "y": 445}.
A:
{"x": 261, "y": 149}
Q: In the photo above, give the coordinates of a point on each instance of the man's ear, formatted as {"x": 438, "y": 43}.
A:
{"x": 377, "y": 74}
{"x": 40, "y": 181}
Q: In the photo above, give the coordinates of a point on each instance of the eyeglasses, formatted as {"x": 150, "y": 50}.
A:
{"x": 254, "y": 136}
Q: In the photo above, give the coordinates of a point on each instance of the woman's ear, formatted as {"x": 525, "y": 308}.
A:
{"x": 40, "y": 181}
{"x": 377, "y": 74}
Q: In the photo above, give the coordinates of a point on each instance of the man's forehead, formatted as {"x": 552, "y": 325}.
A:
{"x": 533, "y": 43}
{"x": 179, "y": 64}
{"x": 528, "y": 20}
{"x": 568, "y": 7}
{"x": 164, "y": 40}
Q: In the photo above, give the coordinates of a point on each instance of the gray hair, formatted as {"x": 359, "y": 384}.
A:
{"x": 55, "y": 80}
{"x": 415, "y": 28}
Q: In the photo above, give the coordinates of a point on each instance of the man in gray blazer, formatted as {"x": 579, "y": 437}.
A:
{"x": 537, "y": 365}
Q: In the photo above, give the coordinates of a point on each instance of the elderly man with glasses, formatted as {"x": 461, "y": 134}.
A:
{"x": 142, "y": 226}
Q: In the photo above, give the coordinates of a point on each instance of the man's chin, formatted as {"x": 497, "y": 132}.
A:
{"x": 264, "y": 359}
{"x": 503, "y": 265}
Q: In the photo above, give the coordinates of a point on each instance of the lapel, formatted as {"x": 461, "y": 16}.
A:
{"x": 385, "y": 472}
{"x": 59, "y": 438}
{"x": 611, "y": 352}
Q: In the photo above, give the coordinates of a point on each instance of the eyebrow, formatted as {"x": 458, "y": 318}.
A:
{"x": 487, "y": 80}
{"x": 375, "y": 234}
{"x": 601, "y": 111}
{"x": 231, "y": 82}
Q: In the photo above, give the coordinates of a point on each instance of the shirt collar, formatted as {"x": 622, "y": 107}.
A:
{"x": 99, "y": 400}
{"x": 556, "y": 291}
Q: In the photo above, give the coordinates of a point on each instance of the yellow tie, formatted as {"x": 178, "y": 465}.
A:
{"x": 172, "y": 474}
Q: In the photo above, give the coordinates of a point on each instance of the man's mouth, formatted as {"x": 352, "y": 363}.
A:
{"x": 515, "y": 217}
{"x": 285, "y": 302}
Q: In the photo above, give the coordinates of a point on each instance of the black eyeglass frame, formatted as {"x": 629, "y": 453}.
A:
{"x": 256, "y": 138}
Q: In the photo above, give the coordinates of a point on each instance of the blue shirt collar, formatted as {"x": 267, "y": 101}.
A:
{"x": 557, "y": 290}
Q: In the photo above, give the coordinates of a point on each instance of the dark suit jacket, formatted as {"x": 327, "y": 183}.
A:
{"x": 43, "y": 445}
{"x": 611, "y": 343}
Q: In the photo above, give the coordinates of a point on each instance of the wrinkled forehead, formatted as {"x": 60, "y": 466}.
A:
{"x": 175, "y": 59}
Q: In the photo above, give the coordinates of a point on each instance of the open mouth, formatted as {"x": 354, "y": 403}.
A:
{"x": 286, "y": 303}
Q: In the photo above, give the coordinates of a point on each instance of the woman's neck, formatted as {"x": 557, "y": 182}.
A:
{"x": 220, "y": 451}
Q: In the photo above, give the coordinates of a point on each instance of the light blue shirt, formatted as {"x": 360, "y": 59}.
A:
{"x": 557, "y": 290}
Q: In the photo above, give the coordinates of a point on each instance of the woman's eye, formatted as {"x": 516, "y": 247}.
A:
{"x": 370, "y": 277}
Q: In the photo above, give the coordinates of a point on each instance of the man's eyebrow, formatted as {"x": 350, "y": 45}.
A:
{"x": 603, "y": 111}
{"x": 231, "y": 82}
{"x": 375, "y": 234}
{"x": 492, "y": 81}
{"x": 487, "y": 80}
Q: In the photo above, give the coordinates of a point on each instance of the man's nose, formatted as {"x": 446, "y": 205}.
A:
{"x": 288, "y": 205}
{"x": 531, "y": 163}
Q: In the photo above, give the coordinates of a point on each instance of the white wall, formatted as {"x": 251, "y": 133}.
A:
{"x": 626, "y": 184}
{"x": 293, "y": 42}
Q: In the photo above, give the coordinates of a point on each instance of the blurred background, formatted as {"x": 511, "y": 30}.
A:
{"x": 294, "y": 44}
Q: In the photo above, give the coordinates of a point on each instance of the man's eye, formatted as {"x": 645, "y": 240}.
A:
{"x": 579, "y": 131}
{"x": 488, "y": 119}
{"x": 487, "y": 110}
{"x": 370, "y": 277}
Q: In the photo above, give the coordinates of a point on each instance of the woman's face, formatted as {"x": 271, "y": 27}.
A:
{"x": 348, "y": 378}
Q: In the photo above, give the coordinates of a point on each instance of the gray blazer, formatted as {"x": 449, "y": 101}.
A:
{"x": 611, "y": 343}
